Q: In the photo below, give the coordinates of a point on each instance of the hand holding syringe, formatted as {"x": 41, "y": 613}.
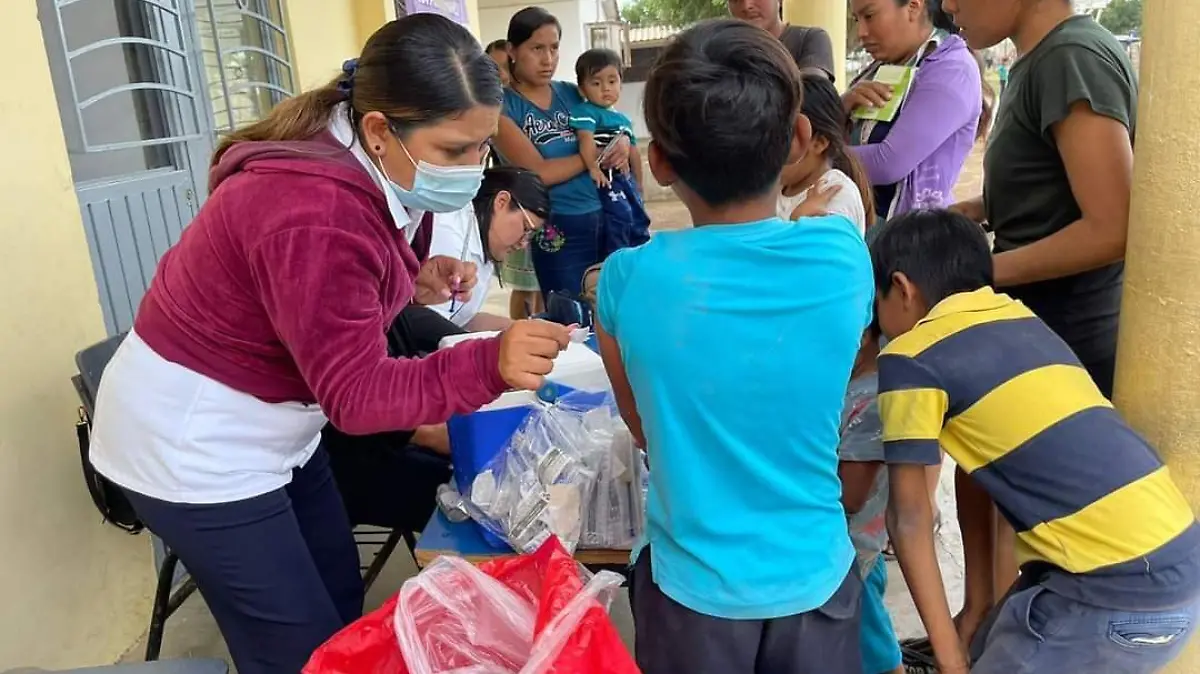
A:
{"x": 444, "y": 279}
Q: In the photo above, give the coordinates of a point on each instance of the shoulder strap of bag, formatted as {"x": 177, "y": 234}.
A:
{"x": 107, "y": 497}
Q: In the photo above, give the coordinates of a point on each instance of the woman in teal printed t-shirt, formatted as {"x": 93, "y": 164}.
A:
{"x": 534, "y": 134}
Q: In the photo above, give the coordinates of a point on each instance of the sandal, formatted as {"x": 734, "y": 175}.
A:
{"x": 917, "y": 656}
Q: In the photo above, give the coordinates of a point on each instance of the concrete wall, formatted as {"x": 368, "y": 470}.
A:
{"x": 323, "y": 34}
{"x": 631, "y": 105}
{"x": 74, "y": 591}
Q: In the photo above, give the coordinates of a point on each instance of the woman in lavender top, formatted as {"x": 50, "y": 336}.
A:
{"x": 915, "y": 160}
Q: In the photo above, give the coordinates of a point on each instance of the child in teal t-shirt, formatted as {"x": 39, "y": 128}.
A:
{"x": 729, "y": 346}
{"x": 597, "y": 123}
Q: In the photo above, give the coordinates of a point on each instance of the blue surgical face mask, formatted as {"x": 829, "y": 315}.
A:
{"x": 437, "y": 189}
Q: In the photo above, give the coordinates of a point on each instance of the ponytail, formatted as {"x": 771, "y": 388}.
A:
{"x": 942, "y": 20}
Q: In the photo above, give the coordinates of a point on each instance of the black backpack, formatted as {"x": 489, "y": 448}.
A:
{"x": 112, "y": 503}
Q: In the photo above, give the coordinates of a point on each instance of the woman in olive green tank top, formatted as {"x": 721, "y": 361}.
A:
{"x": 1058, "y": 170}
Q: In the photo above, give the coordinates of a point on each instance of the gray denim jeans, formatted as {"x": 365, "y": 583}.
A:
{"x": 1036, "y": 631}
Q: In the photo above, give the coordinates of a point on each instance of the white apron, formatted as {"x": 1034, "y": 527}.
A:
{"x": 175, "y": 435}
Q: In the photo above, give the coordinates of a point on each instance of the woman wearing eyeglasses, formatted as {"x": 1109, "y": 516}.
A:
{"x": 269, "y": 318}
{"x": 511, "y": 206}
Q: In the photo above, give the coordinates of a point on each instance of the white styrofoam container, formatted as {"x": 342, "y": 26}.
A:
{"x": 577, "y": 367}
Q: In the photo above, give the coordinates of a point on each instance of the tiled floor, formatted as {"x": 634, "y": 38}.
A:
{"x": 192, "y": 632}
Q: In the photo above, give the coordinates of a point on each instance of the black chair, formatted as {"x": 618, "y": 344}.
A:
{"x": 174, "y": 585}
{"x": 387, "y": 540}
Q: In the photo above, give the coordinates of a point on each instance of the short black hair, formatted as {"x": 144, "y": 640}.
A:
{"x": 940, "y": 251}
{"x": 524, "y": 186}
{"x": 497, "y": 45}
{"x": 721, "y": 105}
{"x": 593, "y": 61}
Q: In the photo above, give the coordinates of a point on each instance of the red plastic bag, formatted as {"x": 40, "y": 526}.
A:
{"x": 531, "y": 614}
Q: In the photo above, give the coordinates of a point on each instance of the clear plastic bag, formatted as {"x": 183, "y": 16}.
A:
{"x": 612, "y": 519}
{"x": 454, "y": 615}
{"x": 533, "y": 614}
{"x": 571, "y": 470}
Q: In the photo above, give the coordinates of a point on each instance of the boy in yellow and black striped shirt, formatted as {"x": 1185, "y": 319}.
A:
{"x": 1109, "y": 547}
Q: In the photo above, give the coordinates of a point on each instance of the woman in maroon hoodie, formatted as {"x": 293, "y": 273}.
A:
{"x": 268, "y": 318}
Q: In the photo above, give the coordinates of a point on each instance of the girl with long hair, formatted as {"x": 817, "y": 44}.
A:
{"x": 829, "y": 179}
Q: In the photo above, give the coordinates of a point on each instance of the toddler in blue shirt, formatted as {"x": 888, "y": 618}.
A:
{"x": 597, "y": 123}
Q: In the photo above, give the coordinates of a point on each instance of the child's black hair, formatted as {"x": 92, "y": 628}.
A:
{"x": 823, "y": 107}
{"x": 497, "y": 45}
{"x": 874, "y": 329}
{"x": 940, "y": 251}
{"x": 721, "y": 105}
{"x": 593, "y": 61}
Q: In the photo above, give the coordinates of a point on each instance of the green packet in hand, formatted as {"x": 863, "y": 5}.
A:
{"x": 900, "y": 79}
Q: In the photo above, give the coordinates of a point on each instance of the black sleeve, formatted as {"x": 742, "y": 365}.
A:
{"x": 417, "y": 331}
{"x": 1071, "y": 74}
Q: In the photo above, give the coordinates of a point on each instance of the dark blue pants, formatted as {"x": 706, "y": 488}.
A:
{"x": 278, "y": 571}
{"x": 565, "y": 249}
{"x": 625, "y": 221}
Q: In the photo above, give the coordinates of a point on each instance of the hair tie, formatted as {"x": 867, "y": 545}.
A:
{"x": 346, "y": 81}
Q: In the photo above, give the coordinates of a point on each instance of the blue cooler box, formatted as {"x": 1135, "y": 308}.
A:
{"x": 476, "y": 438}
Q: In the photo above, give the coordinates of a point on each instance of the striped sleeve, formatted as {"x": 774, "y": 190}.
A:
{"x": 912, "y": 407}
{"x": 582, "y": 118}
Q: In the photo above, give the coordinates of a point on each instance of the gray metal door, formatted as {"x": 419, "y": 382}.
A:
{"x": 143, "y": 87}
{"x": 138, "y": 134}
